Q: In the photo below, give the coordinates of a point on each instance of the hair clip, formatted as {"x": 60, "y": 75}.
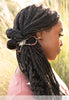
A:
{"x": 24, "y": 42}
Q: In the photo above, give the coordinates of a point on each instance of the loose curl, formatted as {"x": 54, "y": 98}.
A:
{"x": 32, "y": 60}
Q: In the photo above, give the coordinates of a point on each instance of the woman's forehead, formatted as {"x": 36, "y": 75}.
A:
{"x": 60, "y": 25}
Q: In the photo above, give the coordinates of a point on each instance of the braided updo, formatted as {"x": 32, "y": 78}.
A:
{"x": 32, "y": 60}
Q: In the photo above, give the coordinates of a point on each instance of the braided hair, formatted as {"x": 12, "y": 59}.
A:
{"x": 32, "y": 60}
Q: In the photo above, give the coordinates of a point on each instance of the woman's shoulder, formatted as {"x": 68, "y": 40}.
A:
{"x": 19, "y": 85}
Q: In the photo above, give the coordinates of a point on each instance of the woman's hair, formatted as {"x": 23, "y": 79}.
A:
{"x": 32, "y": 60}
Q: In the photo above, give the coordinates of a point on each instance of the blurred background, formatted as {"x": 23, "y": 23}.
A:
{"x": 8, "y": 62}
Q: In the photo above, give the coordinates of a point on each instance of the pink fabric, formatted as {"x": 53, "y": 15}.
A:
{"x": 19, "y": 86}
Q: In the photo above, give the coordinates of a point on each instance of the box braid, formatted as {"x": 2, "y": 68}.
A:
{"x": 32, "y": 60}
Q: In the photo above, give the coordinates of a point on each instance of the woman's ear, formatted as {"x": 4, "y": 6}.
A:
{"x": 39, "y": 35}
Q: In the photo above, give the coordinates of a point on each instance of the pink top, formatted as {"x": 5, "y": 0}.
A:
{"x": 19, "y": 86}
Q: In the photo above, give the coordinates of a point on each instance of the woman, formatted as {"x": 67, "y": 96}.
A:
{"x": 36, "y": 38}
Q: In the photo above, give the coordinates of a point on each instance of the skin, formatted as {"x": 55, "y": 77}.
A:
{"x": 50, "y": 40}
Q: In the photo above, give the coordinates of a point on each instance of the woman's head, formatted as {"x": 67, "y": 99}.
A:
{"x": 29, "y": 21}
{"x": 43, "y": 24}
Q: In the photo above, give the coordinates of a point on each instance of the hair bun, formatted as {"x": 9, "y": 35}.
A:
{"x": 9, "y": 32}
{"x": 14, "y": 34}
{"x": 11, "y": 44}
